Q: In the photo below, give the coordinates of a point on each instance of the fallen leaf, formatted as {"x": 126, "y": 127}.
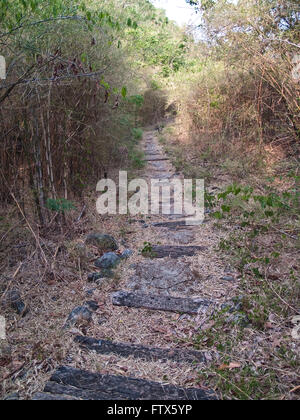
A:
{"x": 232, "y": 365}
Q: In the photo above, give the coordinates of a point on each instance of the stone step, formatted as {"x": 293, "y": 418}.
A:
{"x": 161, "y": 303}
{"x": 155, "y": 159}
{"x": 172, "y": 225}
{"x": 44, "y": 396}
{"x": 173, "y": 251}
{"x": 139, "y": 351}
{"x": 84, "y": 385}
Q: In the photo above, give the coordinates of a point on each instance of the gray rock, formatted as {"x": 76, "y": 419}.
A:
{"x": 105, "y": 273}
{"x": 13, "y": 298}
{"x": 80, "y": 314}
{"x": 127, "y": 253}
{"x": 102, "y": 241}
{"x": 234, "y": 305}
{"x": 90, "y": 292}
{"x": 228, "y": 278}
{"x": 239, "y": 319}
{"x": 234, "y": 313}
{"x": 163, "y": 277}
{"x": 92, "y": 305}
{"x": 108, "y": 260}
{"x": 12, "y": 397}
{"x": 101, "y": 321}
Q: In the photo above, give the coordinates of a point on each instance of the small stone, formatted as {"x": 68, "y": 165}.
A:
{"x": 78, "y": 315}
{"x": 90, "y": 292}
{"x": 92, "y": 305}
{"x": 131, "y": 221}
{"x": 233, "y": 305}
{"x": 133, "y": 266}
{"x": 105, "y": 273}
{"x": 13, "y": 298}
{"x": 108, "y": 260}
{"x": 102, "y": 241}
{"x": 127, "y": 253}
{"x": 228, "y": 278}
{"x": 239, "y": 319}
{"x": 101, "y": 321}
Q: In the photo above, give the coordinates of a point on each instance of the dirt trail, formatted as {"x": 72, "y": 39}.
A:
{"x": 143, "y": 348}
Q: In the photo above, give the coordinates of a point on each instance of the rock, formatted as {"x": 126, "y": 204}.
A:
{"x": 105, "y": 273}
{"x": 234, "y": 305}
{"x": 102, "y": 241}
{"x": 140, "y": 352}
{"x": 173, "y": 251}
{"x": 181, "y": 236}
{"x": 13, "y": 298}
{"x": 133, "y": 266}
{"x": 127, "y": 253}
{"x": 108, "y": 260}
{"x": 228, "y": 278}
{"x": 101, "y": 321}
{"x": 161, "y": 303}
{"x": 88, "y": 386}
{"x": 90, "y": 292}
{"x": 14, "y": 396}
{"x": 80, "y": 314}
{"x": 234, "y": 315}
{"x": 239, "y": 319}
{"x": 92, "y": 305}
{"x": 164, "y": 277}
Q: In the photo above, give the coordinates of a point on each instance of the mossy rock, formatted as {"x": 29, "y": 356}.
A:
{"x": 108, "y": 261}
{"x": 102, "y": 241}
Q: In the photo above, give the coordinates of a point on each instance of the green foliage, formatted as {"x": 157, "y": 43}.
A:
{"x": 137, "y": 100}
{"x": 137, "y": 133}
{"x": 137, "y": 159}
{"x": 59, "y": 205}
{"x": 147, "y": 250}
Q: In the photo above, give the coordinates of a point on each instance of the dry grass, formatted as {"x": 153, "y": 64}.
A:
{"x": 268, "y": 355}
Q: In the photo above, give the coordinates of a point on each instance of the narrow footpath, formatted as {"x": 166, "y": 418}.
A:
{"x": 166, "y": 294}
